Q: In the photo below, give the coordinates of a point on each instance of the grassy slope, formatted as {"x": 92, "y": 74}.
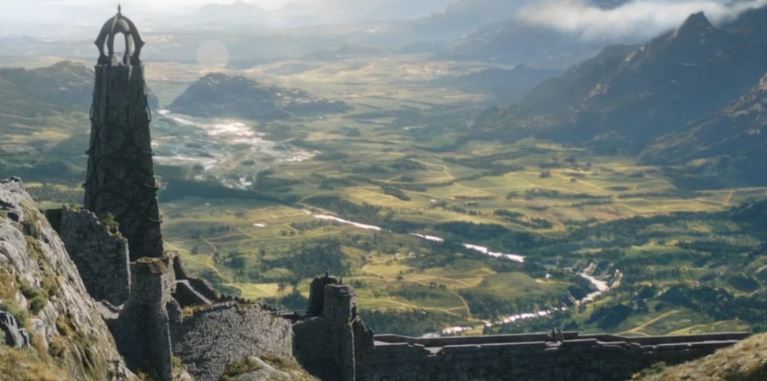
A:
{"x": 746, "y": 361}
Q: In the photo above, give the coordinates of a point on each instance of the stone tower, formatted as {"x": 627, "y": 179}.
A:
{"x": 120, "y": 180}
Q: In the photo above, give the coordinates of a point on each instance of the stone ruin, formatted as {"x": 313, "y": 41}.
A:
{"x": 157, "y": 312}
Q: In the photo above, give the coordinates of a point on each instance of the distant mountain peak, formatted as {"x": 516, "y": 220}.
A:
{"x": 695, "y": 25}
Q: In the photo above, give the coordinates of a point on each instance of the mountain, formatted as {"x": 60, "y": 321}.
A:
{"x": 506, "y": 86}
{"x": 514, "y": 42}
{"x": 491, "y": 30}
{"x": 465, "y": 16}
{"x": 56, "y": 88}
{"x": 223, "y": 96}
{"x": 728, "y": 145}
{"x": 627, "y": 96}
{"x": 743, "y": 362}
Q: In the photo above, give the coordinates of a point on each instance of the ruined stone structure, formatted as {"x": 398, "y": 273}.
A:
{"x": 142, "y": 329}
{"x": 532, "y": 357}
{"x": 335, "y": 345}
{"x": 155, "y": 311}
{"x": 327, "y": 339}
{"x": 120, "y": 180}
{"x": 210, "y": 339}
{"x": 101, "y": 254}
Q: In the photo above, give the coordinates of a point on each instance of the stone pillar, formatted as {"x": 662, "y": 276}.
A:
{"x": 120, "y": 180}
{"x": 340, "y": 310}
{"x": 142, "y": 331}
{"x": 317, "y": 294}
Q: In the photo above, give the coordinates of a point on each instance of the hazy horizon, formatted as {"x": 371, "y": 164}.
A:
{"x": 587, "y": 19}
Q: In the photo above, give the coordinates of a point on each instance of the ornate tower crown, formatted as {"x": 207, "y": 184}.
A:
{"x": 119, "y": 24}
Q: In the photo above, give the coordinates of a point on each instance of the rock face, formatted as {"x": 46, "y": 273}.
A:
{"x": 101, "y": 254}
{"x": 38, "y": 280}
{"x": 728, "y": 144}
{"x": 15, "y": 337}
{"x": 120, "y": 180}
{"x": 210, "y": 339}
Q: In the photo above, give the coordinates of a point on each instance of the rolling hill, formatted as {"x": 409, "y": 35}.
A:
{"x": 43, "y": 91}
{"x": 223, "y": 96}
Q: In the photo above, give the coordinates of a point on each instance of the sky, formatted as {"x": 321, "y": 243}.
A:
{"x": 37, "y": 17}
{"x": 634, "y": 20}
{"x": 54, "y": 19}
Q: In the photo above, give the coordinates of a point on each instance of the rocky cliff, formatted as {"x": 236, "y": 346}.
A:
{"x": 41, "y": 289}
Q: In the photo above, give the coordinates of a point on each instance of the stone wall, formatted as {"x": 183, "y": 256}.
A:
{"x": 530, "y": 357}
{"x": 212, "y": 338}
{"x": 101, "y": 255}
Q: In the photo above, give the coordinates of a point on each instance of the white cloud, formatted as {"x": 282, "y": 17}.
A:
{"x": 635, "y": 20}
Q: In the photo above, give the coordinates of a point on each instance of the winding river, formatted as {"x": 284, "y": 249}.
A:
{"x": 601, "y": 286}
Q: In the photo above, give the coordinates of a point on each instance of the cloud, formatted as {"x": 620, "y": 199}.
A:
{"x": 635, "y": 20}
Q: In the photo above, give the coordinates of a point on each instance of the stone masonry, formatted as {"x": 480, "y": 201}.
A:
{"x": 327, "y": 343}
{"x": 210, "y": 339}
{"x": 120, "y": 179}
{"x": 101, "y": 255}
{"x": 531, "y": 357}
{"x": 142, "y": 330}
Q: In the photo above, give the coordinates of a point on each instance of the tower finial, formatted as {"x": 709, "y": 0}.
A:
{"x": 119, "y": 8}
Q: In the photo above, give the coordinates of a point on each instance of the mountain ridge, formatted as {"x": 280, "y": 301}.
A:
{"x": 627, "y": 96}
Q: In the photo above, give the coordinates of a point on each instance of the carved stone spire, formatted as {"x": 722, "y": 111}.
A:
{"x": 120, "y": 180}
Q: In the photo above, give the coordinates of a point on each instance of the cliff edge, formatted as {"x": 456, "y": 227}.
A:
{"x": 53, "y": 329}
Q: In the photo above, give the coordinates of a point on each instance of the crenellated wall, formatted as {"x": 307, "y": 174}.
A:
{"x": 333, "y": 344}
{"x": 531, "y": 357}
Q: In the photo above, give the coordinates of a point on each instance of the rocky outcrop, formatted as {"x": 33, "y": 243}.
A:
{"x": 99, "y": 251}
{"x": 15, "y": 337}
{"x": 211, "y": 339}
{"x": 42, "y": 288}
